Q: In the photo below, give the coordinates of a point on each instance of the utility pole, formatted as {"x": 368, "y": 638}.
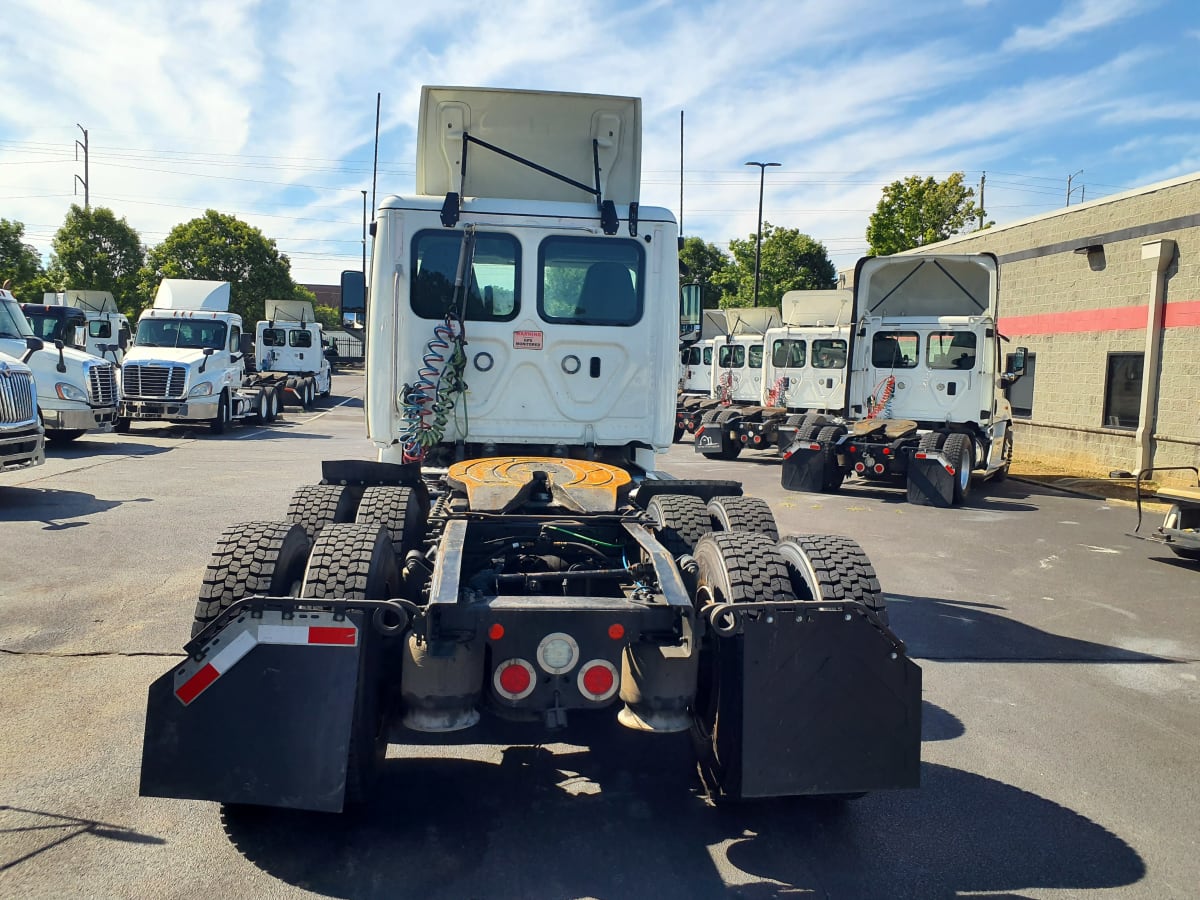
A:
{"x": 681, "y": 173}
{"x": 1071, "y": 178}
{"x": 762, "y": 177}
{"x": 84, "y": 180}
{"x": 982, "y": 180}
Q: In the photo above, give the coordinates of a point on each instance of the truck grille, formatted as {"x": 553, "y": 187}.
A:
{"x": 154, "y": 382}
{"x": 102, "y": 385}
{"x": 16, "y": 399}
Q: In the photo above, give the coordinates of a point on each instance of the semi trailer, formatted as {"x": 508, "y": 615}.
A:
{"x": 512, "y": 550}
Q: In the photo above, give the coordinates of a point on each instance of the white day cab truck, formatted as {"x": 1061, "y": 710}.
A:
{"x": 21, "y": 437}
{"x": 736, "y": 371}
{"x": 187, "y": 364}
{"x": 290, "y": 343}
{"x": 512, "y": 552}
{"x": 925, "y": 393}
{"x": 86, "y": 320}
{"x": 803, "y": 377}
{"x": 77, "y": 392}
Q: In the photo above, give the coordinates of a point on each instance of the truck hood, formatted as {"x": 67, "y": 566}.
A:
{"x": 44, "y": 364}
{"x": 178, "y": 356}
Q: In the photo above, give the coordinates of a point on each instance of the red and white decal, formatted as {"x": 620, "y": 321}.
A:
{"x": 239, "y": 638}
{"x": 527, "y": 340}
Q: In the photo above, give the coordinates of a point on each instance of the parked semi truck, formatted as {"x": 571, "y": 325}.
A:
{"x": 290, "y": 343}
{"x": 513, "y": 552}
{"x": 187, "y": 364}
{"x": 925, "y": 394}
{"x": 86, "y": 320}
{"x": 21, "y": 435}
{"x": 803, "y": 372}
{"x": 77, "y": 392}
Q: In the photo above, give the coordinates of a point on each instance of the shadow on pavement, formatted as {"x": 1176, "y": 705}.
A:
{"x": 29, "y": 832}
{"x": 939, "y": 724}
{"x": 55, "y": 508}
{"x": 85, "y": 449}
{"x": 955, "y": 631}
{"x": 626, "y": 819}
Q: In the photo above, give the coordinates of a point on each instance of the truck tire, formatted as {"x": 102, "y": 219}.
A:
{"x": 265, "y": 558}
{"x": 680, "y": 521}
{"x": 219, "y": 424}
{"x": 262, "y": 408}
{"x": 960, "y": 450}
{"x": 832, "y": 567}
{"x": 734, "y": 567}
{"x": 743, "y": 514}
{"x": 678, "y": 433}
{"x": 272, "y": 403}
{"x": 399, "y": 510}
{"x": 355, "y": 562}
{"x": 316, "y": 505}
{"x": 310, "y": 392}
{"x": 122, "y": 425}
{"x": 834, "y": 474}
{"x": 63, "y": 435}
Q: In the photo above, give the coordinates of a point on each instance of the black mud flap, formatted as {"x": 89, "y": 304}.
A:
{"x": 710, "y": 439}
{"x": 929, "y": 483}
{"x": 804, "y": 469}
{"x": 829, "y": 704}
{"x": 263, "y": 716}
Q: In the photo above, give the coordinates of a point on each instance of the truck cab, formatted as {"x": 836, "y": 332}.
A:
{"x": 187, "y": 363}
{"x": 21, "y": 434}
{"x": 60, "y": 316}
{"x": 77, "y": 392}
{"x": 291, "y": 342}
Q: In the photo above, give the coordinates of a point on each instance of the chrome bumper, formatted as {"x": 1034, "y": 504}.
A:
{"x": 195, "y": 410}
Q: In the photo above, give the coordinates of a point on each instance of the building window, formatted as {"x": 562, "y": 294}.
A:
{"x": 1020, "y": 392}
{"x": 1123, "y": 389}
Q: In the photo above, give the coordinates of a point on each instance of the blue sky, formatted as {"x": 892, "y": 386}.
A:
{"x": 266, "y": 110}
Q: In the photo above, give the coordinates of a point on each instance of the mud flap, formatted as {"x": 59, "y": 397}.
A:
{"x": 711, "y": 439}
{"x": 263, "y": 715}
{"x": 820, "y": 700}
{"x": 804, "y": 468}
{"x": 929, "y": 483}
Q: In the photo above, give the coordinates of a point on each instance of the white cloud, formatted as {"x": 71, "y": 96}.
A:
{"x": 1077, "y": 18}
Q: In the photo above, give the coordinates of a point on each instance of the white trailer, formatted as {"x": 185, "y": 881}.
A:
{"x": 187, "y": 363}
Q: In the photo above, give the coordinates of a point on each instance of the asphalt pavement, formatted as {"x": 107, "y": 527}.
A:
{"x": 1061, "y": 709}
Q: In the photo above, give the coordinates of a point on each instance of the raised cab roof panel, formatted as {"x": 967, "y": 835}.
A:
{"x": 812, "y": 308}
{"x": 290, "y": 311}
{"x": 552, "y": 129}
{"x": 183, "y": 293}
{"x": 926, "y": 286}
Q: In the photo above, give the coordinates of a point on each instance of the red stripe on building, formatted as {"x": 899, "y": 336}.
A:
{"x": 1121, "y": 318}
{"x": 326, "y": 635}
{"x": 194, "y": 686}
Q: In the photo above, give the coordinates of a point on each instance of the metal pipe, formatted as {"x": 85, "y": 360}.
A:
{"x": 1159, "y": 255}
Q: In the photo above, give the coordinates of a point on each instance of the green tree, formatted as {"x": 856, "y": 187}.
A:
{"x": 94, "y": 250}
{"x": 221, "y": 247}
{"x": 329, "y": 317}
{"x": 919, "y": 211}
{"x": 790, "y": 261}
{"x": 707, "y": 265}
{"x": 20, "y": 263}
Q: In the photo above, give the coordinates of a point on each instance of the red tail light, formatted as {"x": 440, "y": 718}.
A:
{"x": 878, "y": 468}
{"x": 598, "y": 679}
{"x": 514, "y": 679}
{"x": 859, "y": 468}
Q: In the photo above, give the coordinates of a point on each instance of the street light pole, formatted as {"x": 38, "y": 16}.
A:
{"x": 762, "y": 177}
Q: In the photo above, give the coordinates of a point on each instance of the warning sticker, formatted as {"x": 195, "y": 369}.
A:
{"x": 527, "y": 340}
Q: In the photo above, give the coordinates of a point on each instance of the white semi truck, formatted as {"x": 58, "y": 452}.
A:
{"x": 77, "y": 392}
{"x": 291, "y": 342}
{"x": 512, "y": 551}
{"x": 925, "y": 397}
{"x": 803, "y": 368}
{"x": 86, "y": 320}
{"x": 21, "y": 435}
{"x": 187, "y": 362}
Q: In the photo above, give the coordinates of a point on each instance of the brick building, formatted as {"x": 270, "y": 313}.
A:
{"x": 1106, "y": 296}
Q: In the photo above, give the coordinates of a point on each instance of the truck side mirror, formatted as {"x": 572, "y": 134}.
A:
{"x": 1018, "y": 360}
{"x": 689, "y": 312}
{"x": 80, "y": 340}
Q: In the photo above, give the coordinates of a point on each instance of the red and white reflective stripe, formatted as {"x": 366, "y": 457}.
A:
{"x": 193, "y": 678}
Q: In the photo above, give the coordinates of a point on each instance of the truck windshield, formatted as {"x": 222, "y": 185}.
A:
{"x": 47, "y": 326}
{"x": 13, "y": 323}
{"x": 189, "y": 333}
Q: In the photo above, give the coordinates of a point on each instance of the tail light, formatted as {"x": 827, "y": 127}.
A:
{"x": 878, "y": 468}
{"x": 557, "y": 653}
{"x": 514, "y": 679}
{"x": 598, "y": 680}
{"x": 859, "y": 468}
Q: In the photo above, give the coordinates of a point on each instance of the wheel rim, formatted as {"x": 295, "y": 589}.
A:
{"x": 966, "y": 462}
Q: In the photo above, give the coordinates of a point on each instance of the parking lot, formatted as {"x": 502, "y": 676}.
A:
{"x": 1061, "y": 713}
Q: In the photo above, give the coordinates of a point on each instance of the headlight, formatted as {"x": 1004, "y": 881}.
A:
{"x": 70, "y": 392}
{"x": 201, "y": 390}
